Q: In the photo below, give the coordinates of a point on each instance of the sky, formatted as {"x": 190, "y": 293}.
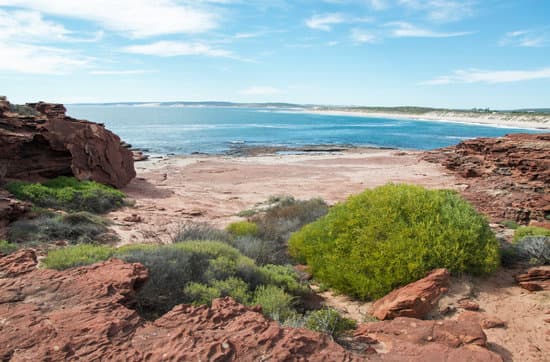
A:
{"x": 437, "y": 53}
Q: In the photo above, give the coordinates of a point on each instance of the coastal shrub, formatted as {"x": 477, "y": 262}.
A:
{"x": 261, "y": 251}
{"x": 7, "y": 247}
{"x": 392, "y": 235}
{"x": 275, "y": 302}
{"x": 78, "y": 255}
{"x": 192, "y": 231}
{"x": 242, "y": 228}
{"x": 68, "y": 193}
{"x": 329, "y": 321}
{"x": 510, "y": 224}
{"x": 76, "y": 228}
{"x": 524, "y": 231}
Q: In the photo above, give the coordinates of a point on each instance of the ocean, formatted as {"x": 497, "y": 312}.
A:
{"x": 215, "y": 130}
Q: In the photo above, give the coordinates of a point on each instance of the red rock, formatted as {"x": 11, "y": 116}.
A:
{"x": 508, "y": 177}
{"x": 468, "y": 304}
{"x": 44, "y": 143}
{"x": 485, "y": 321}
{"x": 11, "y": 209}
{"x": 413, "y": 300}
{"x": 535, "y": 279}
{"x": 133, "y": 218}
{"x": 408, "y": 339}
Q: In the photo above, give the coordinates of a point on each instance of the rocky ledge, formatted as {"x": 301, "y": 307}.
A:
{"x": 87, "y": 313}
{"x": 508, "y": 177}
{"x": 38, "y": 141}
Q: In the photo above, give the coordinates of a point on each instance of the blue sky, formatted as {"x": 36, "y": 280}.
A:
{"x": 442, "y": 53}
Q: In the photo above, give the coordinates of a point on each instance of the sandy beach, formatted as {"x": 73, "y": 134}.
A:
{"x": 214, "y": 189}
{"x": 504, "y": 120}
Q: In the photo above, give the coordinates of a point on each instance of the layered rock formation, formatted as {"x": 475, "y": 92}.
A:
{"x": 508, "y": 177}
{"x": 86, "y": 314}
{"x": 39, "y": 141}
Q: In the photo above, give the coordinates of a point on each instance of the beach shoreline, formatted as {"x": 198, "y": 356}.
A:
{"x": 536, "y": 122}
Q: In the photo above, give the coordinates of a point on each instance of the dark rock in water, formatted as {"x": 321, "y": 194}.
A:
{"x": 50, "y": 144}
{"x": 508, "y": 177}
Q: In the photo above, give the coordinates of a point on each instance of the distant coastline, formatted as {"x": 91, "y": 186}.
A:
{"x": 535, "y": 121}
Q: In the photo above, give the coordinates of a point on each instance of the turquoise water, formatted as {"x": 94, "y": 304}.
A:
{"x": 183, "y": 130}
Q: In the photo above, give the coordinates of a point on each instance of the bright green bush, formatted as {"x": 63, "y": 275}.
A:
{"x": 79, "y": 227}
{"x": 79, "y": 255}
{"x": 524, "y": 231}
{"x": 7, "y": 247}
{"x": 275, "y": 302}
{"x": 242, "y": 228}
{"x": 68, "y": 193}
{"x": 329, "y": 321}
{"x": 392, "y": 235}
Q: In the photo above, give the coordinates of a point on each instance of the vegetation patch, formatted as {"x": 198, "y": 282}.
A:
{"x": 329, "y": 321}
{"x": 525, "y": 231}
{"x": 76, "y": 228}
{"x": 242, "y": 228}
{"x": 392, "y": 235}
{"x": 67, "y": 193}
{"x": 6, "y": 247}
{"x": 80, "y": 255}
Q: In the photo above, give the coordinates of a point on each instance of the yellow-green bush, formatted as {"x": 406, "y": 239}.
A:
{"x": 391, "y": 235}
{"x": 7, "y": 247}
{"x": 525, "y": 231}
{"x": 68, "y": 193}
{"x": 242, "y": 228}
{"x": 82, "y": 254}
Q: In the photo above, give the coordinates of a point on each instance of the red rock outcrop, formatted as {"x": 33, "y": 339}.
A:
{"x": 534, "y": 279}
{"x": 10, "y": 209}
{"x": 39, "y": 141}
{"x": 508, "y": 177}
{"x": 414, "y": 300}
{"x": 409, "y": 339}
{"x": 85, "y": 314}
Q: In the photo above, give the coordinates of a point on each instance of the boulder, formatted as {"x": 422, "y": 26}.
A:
{"x": 11, "y": 209}
{"x": 535, "y": 279}
{"x": 414, "y": 300}
{"x": 39, "y": 141}
{"x": 484, "y": 320}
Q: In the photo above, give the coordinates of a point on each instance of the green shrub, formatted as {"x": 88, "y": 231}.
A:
{"x": 392, "y": 235}
{"x": 7, "y": 247}
{"x": 242, "y": 228}
{"x": 201, "y": 293}
{"x": 275, "y": 302}
{"x": 510, "y": 224}
{"x": 524, "y": 231}
{"x": 285, "y": 277}
{"x": 79, "y": 255}
{"x": 80, "y": 227}
{"x": 261, "y": 251}
{"x": 68, "y": 193}
{"x": 329, "y": 321}
{"x": 193, "y": 231}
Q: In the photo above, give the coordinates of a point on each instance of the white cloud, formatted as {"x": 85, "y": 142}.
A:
{"x": 442, "y": 10}
{"x": 136, "y": 18}
{"x": 260, "y": 91}
{"x": 407, "y": 30}
{"x": 491, "y": 77}
{"x": 121, "y": 72}
{"x": 526, "y": 38}
{"x": 325, "y": 22}
{"x": 39, "y": 60}
{"x": 378, "y": 4}
{"x": 29, "y": 26}
{"x": 167, "y": 48}
{"x": 362, "y": 36}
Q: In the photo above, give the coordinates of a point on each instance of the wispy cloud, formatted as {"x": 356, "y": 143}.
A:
{"x": 35, "y": 59}
{"x": 135, "y": 18}
{"x": 406, "y": 30}
{"x": 260, "y": 91}
{"x": 121, "y": 72}
{"x": 490, "y": 76}
{"x": 362, "y": 36}
{"x": 325, "y": 22}
{"x": 442, "y": 10}
{"x": 167, "y": 48}
{"x": 526, "y": 38}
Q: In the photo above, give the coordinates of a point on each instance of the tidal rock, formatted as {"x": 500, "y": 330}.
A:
{"x": 508, "y": 177}
{"x": 39, "y": 141}
{"x": 414, "y": 300}
{"x": 535, "y": 279}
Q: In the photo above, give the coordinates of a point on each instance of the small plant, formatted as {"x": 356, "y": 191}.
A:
{"x": 247, "y": 213}
{"x": 69, "y": 194}
{"x": 242, "y": 228}
{"x": 192, "y": 231}
{"x": 530, "y": 231}
{"x": 79, "y": 255}
{"x": 510, "y": 224}
{"x": 330, "y": 322}
{"x": 7, "y": 247}
{"x": 275, "y": 302}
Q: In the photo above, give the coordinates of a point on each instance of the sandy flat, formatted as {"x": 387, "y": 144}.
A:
{"x": 215, "y": 188}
